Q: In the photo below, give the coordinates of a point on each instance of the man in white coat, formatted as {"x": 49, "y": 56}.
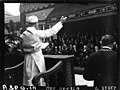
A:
{"x": 34, "y": 62}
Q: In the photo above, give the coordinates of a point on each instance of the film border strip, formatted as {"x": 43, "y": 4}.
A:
{"x": 16, "y": 87}
{"x": 85, "y": 13}
{"x": 84, "y": 87}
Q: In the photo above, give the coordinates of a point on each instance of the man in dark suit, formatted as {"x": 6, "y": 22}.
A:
{"x": 102, "y": 66}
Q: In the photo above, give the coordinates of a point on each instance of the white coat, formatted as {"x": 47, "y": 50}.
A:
{"x": 34, "y": 63}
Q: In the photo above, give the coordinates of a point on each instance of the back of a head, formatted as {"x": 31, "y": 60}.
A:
{"x": 107, "y": 40}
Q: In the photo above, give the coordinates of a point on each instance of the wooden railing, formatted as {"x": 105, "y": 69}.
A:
{"x": 61, "y": 74}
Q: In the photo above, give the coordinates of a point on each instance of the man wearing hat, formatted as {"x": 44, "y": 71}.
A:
{"x": 32, "y": 42}
{"x": 102, "y": 66}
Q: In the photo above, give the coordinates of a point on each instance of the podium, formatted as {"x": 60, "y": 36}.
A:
{"x": 67, "y": 68}
{"x": 59, "y": 71}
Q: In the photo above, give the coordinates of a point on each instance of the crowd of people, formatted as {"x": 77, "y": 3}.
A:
{"x": 73, "y": 43}
{"x": 79, "y": 44}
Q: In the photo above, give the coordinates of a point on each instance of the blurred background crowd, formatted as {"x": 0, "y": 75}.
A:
{"x": 81, "y": 45}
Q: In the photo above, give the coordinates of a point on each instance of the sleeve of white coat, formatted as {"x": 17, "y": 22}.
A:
{"x": 44, "y": 45}
{"x": 49, "y": 32}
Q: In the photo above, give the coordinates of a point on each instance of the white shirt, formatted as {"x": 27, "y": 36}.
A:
{"x": 35, "y": 39}
{"x": 107, "y": 47}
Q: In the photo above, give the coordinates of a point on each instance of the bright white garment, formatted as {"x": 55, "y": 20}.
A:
{"x": 34, "y": 62}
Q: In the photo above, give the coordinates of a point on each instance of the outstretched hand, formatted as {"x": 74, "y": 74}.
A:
{"x": 63, "y": 19}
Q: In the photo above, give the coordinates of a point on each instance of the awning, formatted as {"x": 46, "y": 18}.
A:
{"x": 72, "y": 9}
{"x": 41, "y": 14}
{"x": 65, "y": 9}
{"x": 33, "y": 7}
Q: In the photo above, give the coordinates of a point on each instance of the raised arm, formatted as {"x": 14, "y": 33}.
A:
{"x": 49, "y": 32}
{"x": 52, "y": 31}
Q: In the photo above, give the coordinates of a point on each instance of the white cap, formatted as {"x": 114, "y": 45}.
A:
{"x": 32, "y": 19}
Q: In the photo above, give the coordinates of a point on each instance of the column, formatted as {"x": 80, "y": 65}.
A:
{"x": 43, "y": 29}
{"x": 23, "y": 20}
{"x": 50, "y": 27}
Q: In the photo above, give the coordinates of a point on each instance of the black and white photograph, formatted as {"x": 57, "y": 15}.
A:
{"x": 66, "y": 46}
